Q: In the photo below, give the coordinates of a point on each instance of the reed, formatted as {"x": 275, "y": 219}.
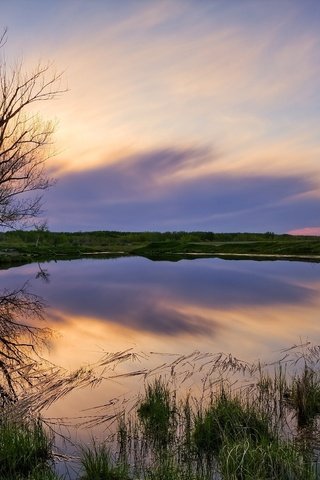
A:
{"x": 247, "y": 422}
{"x": 157, "y": 412}
{"x": 98, "y": 464}
{"x": 226, "y": 419}
{"x": 265, "y": 460}
{"x": 233, "y": 429}
{"x": 304, "y": 396}
{"x": 25, "y": 451}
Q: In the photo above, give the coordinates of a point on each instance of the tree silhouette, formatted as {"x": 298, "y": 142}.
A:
{"x": 24, "y": 139}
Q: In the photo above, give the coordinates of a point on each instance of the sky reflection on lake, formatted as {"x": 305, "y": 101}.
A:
{"x": 251, "y": 309}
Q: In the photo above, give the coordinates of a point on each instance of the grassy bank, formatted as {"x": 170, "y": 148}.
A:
{"x": 18, "y": 247}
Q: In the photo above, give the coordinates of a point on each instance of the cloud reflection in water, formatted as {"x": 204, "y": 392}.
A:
{"x": 199, "y": 299}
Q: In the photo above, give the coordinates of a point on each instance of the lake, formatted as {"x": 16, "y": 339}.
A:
{"x": 158, "y": 309}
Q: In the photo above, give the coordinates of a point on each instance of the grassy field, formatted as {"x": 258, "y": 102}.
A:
{"x": 18, "y": 247}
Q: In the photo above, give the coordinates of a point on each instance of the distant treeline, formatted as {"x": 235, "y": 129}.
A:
{"x": 54, "y": 238}
{"x": 38, "y": 245}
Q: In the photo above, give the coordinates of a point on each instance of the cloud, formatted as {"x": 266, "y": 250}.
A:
{"x": 153, "y": 192}
{"x": 146, "y": 74}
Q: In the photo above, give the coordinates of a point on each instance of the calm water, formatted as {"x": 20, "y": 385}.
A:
{"x": 248, "y": 308}
{"x": 252, "y": 309}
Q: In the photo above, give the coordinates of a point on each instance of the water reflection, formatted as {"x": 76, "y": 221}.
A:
{"x": 20, "y": 342}
{"x": 248, "y": 308}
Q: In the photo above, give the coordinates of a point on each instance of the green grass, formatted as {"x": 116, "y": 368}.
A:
{"x": 156, "y": 413}
{"x": 25, "y": 451}
{"x": 98, "y": 464}
{"x": 226, "y": 419}
{"x": 236, "y": 434}
{"x": 264, "y": 460}
{"x": 303, "y": 396}
{"x": 232, "y": 430}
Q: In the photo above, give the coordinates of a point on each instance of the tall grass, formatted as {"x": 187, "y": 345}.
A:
{"x": 247, "y": 460}
{"x": 258, "y": 430}
{"x": 98, "y": 464}
{"x": 157, "y": 412}
{"x": 25, "y": 451}
{"x": 249, "y": 422}
{"x": 304, "y": 396}
{"x": 228, "y": 418}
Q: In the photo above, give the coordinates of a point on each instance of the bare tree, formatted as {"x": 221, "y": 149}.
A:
{"x": 24, "y": 139}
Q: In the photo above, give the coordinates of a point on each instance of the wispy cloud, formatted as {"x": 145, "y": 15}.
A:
{"x": 151, "y": 192}
{"x": 240, "y": 78}
{"x": 144, "y": 75}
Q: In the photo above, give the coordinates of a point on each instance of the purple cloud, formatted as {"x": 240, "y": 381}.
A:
{"x": 141, "y": 193}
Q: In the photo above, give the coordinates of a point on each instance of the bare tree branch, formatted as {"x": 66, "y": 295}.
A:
{"x": 24, "y": 139}
{"x": 3, "y": 37}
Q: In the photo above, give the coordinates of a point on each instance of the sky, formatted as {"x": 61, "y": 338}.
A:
{"x": 179, "y": 114}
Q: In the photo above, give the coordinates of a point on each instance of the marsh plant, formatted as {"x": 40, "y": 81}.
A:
{"x": 157, "y": 414}
{"x": 250, "y": 460}
{"x": 248, "y": 422}
{"x": 98, "y": 464}
{"x": 229, "y": 418}
{"x": 304, "y": 396}
{"x": 258, "y": 429}
{"x": 25, "y": 451}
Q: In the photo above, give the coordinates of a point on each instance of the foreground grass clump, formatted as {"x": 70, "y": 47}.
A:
{"x": 226, "y": 419}
{"x": 246, "y": 423}
{"x": 231, "y": 435}
{"x": 98, "y": 464}
{"x": 304, "y": 397}
{"x": 157, "y": 413}
{"x": 247, "y": 460}
{"x": 25, "y": 451}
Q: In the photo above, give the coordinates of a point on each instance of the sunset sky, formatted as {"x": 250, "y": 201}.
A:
{"x": 180, "y": 114}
